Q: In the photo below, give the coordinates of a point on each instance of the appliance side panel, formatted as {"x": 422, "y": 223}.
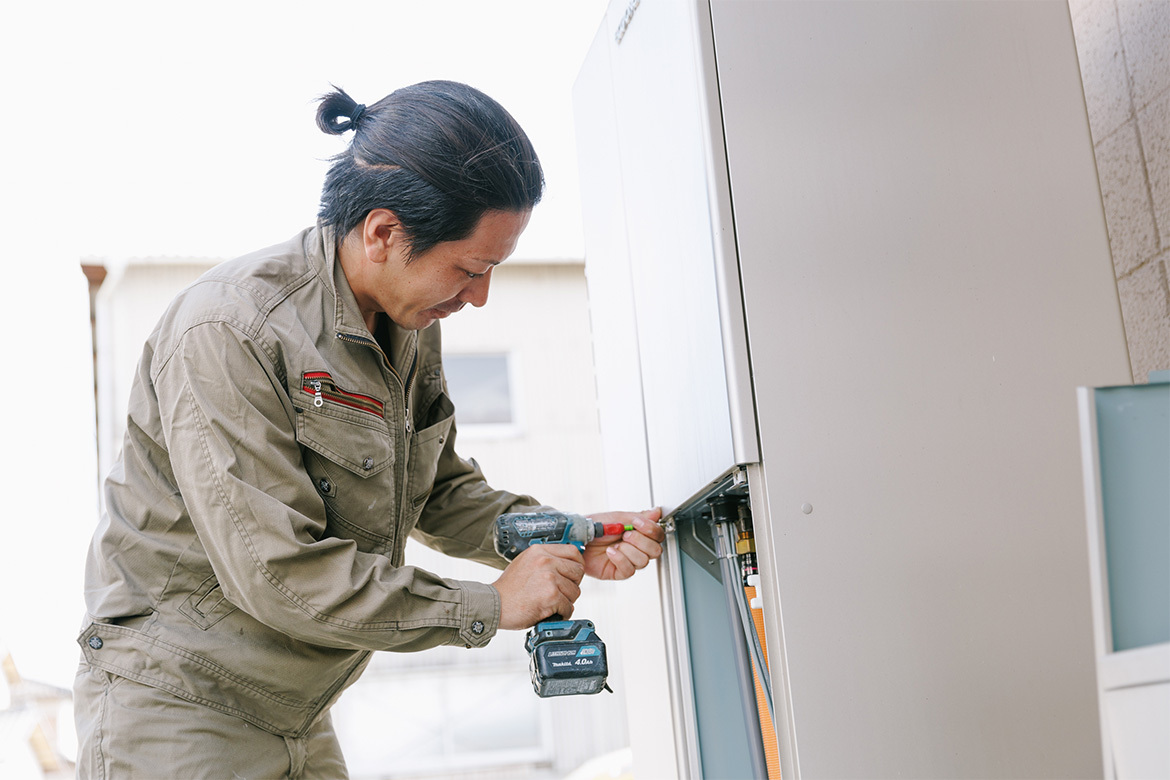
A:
{"x": 643, "y": 656}
{"x": 671, "y": 253}
{"x": 613, "y": 315}
{"x": 927, "y": 280}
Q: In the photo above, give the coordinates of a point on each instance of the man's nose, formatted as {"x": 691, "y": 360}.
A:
{"x": 476, "y": 292}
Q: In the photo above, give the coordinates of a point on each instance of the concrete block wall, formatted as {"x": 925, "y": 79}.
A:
{"x": 1124, "y": 52}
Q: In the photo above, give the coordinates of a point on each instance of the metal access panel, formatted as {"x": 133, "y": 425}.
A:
{"x": 613, "y": 312}
{"x": 660, "y": 266}
{"x": 926, "y": 279}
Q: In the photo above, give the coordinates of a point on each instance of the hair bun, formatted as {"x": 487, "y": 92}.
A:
{"x": 338, "y": 112}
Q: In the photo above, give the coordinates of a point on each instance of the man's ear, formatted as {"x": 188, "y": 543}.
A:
{"x": 383, "y": 236}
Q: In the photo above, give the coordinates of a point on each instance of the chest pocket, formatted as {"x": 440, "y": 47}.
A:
{"x": 426, "y": 449}
{"x": 349, "y": 463}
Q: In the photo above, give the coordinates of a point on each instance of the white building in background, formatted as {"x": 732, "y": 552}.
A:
{"x": 520, "y": 374}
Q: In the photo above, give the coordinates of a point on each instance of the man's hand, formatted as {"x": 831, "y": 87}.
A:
{"x": 543, "y": 580}
{"x": 619, "y": 556}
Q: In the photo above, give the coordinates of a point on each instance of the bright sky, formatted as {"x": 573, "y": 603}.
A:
{"x": 135, "y": 129}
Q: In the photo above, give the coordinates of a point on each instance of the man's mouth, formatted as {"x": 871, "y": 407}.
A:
{"x": 445, "y": 310}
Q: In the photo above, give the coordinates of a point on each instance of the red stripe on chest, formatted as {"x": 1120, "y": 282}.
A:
{"x": 321, "y": 386}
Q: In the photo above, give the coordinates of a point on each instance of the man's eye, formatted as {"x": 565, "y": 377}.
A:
{"x": 470, "y": 275}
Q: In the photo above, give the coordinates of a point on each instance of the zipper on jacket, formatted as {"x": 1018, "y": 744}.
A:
{"x": 410, "y": 386}
{"x": 406, "y": 386}
{"x": 318, "y": 398}
{"x": 369, "y": 343}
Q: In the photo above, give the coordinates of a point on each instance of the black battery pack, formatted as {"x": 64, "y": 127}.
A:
{"x": 566, "y": 657}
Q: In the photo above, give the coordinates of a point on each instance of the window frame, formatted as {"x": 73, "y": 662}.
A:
{"x": 482, "y": 430}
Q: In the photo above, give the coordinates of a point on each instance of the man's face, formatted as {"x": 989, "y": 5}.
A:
{"x": 449, "y": 275}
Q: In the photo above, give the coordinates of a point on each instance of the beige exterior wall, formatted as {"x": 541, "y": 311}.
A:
{"x": 1124, "y": 50}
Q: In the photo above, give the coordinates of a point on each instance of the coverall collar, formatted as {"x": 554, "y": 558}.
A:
{"x": 348, "y": 317}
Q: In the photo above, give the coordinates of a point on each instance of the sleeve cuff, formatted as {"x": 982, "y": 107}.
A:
{"x": 479, "y": 616}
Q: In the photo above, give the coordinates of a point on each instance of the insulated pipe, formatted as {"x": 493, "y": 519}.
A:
{"x": 753, "y": 639}
{"x": 747, "y": 689}
{"x": 728, "y": 512}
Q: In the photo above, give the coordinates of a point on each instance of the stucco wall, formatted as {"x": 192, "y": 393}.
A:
{"x": 1124, "y": 50}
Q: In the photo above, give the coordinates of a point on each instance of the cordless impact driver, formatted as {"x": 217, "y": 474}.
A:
{"x": 564, "y": 656}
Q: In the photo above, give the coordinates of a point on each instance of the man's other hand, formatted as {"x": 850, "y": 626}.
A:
{"x": 618, "y": 556}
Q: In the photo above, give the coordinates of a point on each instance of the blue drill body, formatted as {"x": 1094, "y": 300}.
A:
{"x": 565, "y": 657}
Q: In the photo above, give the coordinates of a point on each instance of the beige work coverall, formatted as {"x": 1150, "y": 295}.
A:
{"x": 250, "y": 553}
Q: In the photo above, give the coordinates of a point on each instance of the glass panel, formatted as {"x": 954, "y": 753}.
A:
{"x": 1133, "y": 433}
{"x": 723, "y": 744}
{"x": 480, "y": 388}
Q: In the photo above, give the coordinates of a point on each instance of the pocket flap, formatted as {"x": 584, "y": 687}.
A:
{"x": 358, "y": 448}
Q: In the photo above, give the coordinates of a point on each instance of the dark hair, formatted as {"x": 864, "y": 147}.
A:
{"x": 438, "y": 154}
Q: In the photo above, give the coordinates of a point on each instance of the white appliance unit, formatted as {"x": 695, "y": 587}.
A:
{"x": 847, "y": 263}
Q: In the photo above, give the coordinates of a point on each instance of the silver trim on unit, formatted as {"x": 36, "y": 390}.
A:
{"x": 732, "y": 319}
{"x": 678, "y": 661}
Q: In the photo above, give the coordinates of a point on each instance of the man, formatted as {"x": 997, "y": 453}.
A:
{"x": 288, "y": 430}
